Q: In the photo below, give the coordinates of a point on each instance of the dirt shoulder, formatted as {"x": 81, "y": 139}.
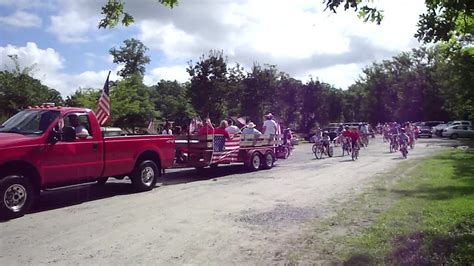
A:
{"x": 220, "y": 216}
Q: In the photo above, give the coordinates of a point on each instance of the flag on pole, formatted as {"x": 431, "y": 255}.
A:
{"x": 225, "y": 151}
{"x": 103, "y": 106}
{"x": 152, "y": 127}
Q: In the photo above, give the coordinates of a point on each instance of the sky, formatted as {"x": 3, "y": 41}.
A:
{"x": 62, "y": 40}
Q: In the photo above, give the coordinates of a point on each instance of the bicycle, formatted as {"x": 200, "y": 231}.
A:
{"x": 404, "y": 149}
{"x": 355, "y": 152}
{"x": 320, "y": 149}
{"x": 346, "y": 146}
{"x": 365, "y": 140}
{"x": 393, "y": 144}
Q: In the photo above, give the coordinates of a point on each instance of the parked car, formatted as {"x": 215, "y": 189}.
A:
{"x": 458, "y": 131}
{"x": 438, "y": 130}
{"x": 425, "y": 131}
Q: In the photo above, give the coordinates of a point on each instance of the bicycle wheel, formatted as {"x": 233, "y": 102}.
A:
{"x": 314, "y": 148}
{"x": 330, "y": 151}
{"x": 318, "y": 153}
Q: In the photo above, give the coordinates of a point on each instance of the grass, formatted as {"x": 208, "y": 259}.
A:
{"x": 423, "y": 216}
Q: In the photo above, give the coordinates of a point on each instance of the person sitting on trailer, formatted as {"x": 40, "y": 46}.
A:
{"x": 250, "y": 129}
{"x": 232, "y": 129}
{"x": 222, "y": 130}
{"x": 206, "y": 129}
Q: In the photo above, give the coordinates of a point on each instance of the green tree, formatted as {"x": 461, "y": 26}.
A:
{"x": 171, "y": 99}
{"x": 133, "y": 55}
{"x": 86, "y": 98}
{"x": 207, "y": 90}
{"x": 258, "y": 96}
{"x": 19, "y": 90}
{"x": 131, "y": 107}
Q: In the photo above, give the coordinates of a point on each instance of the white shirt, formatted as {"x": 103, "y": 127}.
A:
{"x": 81, "y": 132}
{"x": 167, "y": 132}
{"x": 232, "y": 130}
{"x": 270, "y": 127}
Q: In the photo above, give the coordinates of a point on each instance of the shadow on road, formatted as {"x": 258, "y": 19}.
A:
{"x": 74, "y": 195}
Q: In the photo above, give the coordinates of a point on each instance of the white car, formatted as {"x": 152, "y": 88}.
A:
{"x": 458, "y": 131}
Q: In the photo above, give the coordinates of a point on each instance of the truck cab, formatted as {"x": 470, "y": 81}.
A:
{"x": 48, "y": 147}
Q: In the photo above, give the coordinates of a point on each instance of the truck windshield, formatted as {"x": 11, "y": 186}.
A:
{"x": 29, "y": 122}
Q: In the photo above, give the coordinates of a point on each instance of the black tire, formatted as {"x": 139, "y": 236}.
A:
{"x": 454, "y": 136}
{"x": 255, "y": 161}
{"x": 145, "y": 176}
{"x": 17, "y": 196}
{"x": 287, "y": 152}
{"x": 355, "y": 154}
{"x": 330, "y": 151}
{"x": 101, "y": 181}
{"x": 318, "y": 153}
{"x": 268, "y": 160}
{"x": 314, "y": 147}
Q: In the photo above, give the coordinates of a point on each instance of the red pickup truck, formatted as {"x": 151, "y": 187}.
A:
{"x": 48, "y": 147}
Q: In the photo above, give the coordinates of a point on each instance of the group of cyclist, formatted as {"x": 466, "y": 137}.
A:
{"x": 352, "y": 138}
{"x": 399, "y": 137}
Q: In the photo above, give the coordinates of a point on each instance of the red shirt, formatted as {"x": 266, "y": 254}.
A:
{"x": 222, "y": 131}
{"x": 206, "y": 130}
{"x": 354, "y": 135}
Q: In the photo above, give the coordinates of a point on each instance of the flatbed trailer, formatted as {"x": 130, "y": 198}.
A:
{"x": 254, "y": 151}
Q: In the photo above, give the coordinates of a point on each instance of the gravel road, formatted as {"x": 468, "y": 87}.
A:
{"x": 220, "y": 216}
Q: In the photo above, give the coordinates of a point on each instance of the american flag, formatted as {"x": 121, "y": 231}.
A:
{"x": 225, "y": 151}
{"x": 103, "y": 106}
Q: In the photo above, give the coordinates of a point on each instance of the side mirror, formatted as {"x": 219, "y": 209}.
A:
{"x": 69, "y": 134}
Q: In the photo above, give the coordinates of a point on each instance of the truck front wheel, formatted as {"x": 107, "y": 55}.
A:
{"x": 17, "y": 195}
{"x": 145, "y": 176}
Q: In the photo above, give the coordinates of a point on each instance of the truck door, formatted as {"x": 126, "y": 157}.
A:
{"x": 75, "y": 161}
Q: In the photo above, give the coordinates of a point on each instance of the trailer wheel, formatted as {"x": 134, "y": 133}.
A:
{"x": 268, "y": 160}
{"x": 255, "y": 162}
{"x": 17, "y": 195}
{"x": 145, "y": 176}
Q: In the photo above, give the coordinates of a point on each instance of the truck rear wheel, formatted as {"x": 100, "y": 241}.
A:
{"x": 145, "y": 176}
{"x": 17, "y": 195}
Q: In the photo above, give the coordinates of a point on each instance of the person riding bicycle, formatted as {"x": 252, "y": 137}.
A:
{"x": 326, "y": 140}
{"x": 403, "y": 138}
{"x": 318, "y": 136}
{"x": 353, "y": 135}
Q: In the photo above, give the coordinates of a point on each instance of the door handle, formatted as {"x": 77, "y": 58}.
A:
{"x": 95, "y": 146}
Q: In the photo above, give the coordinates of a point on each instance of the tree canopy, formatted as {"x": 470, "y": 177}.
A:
{"x": 132, "y": 54}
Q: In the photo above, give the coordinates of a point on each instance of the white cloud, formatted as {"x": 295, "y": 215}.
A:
{"x": 167, "y": 73}
{"x": 49, "y": 66}
{"x": 44, "y": 60}
{"x": 341, "y": 76}
{"x": 70, "y": 27}
{"x": 21, "y": 19}
{"x": 76, "y": 21}
{"x": 295, "y": 35}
